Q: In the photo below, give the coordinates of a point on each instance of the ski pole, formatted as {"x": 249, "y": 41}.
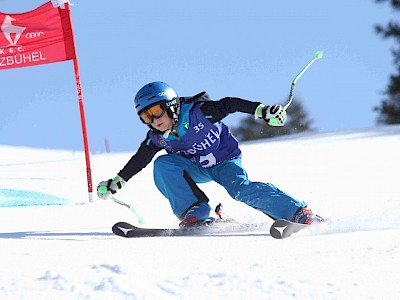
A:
{"x": 103, "y": 190}
{"x": 141, "y": 221}
{"x": 318, "y": 55}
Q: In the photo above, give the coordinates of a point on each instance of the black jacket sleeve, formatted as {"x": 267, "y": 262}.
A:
{"x": 140, "y": 159}
{"x": 215, "y": 111}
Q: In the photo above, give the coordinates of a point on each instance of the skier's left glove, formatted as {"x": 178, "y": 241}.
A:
{"x": 107, "y": 188}
{"x": 274, "y": 115}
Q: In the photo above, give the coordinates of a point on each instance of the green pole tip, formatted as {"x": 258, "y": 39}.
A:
{"x": 319, "y": 54}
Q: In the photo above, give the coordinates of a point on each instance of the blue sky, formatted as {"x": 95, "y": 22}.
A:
{"x": 248, "y": 49}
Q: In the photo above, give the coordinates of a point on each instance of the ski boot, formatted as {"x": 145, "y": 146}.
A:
{"x": 306, "y": 216}
{"x": 198, "y": 214}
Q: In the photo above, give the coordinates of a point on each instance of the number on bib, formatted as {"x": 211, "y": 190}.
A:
{"x": 212, "y": 161}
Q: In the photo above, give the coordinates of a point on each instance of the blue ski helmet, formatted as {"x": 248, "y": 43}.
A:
{"x": 157, "y": 93}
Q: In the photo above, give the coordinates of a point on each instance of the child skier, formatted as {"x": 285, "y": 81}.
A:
{"x": 200, "y": 148}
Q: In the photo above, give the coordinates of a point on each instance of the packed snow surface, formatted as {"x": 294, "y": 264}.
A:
{"x": 57, "y": 245}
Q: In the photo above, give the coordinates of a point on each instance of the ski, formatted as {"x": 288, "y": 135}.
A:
{"x": 281, "y": 229}
{"x": 127, "y": 230}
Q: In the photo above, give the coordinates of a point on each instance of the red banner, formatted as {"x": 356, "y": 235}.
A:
{"x": 41, "y": 36}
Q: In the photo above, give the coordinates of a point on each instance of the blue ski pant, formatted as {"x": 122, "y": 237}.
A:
{"x": 169, "y": 179}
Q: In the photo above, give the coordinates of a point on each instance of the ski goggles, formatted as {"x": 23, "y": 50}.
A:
{"x": 154, "y": 112}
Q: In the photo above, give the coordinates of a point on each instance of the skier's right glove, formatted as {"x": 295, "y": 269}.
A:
{"x": 107, "y": 188}
{"x": 274, "y": 115}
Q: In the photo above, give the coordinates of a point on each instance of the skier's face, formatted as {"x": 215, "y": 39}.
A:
{"x": 163, "y": 123}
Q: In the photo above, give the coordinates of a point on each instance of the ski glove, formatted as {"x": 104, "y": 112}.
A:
{"x": 274, "y": 115}
{"x": 107, "y": 188}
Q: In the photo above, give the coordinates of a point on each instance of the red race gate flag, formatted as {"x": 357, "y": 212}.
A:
{"x": 41, "y": 36}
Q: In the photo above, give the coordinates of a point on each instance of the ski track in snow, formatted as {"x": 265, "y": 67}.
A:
{"x": 69, "y": 252}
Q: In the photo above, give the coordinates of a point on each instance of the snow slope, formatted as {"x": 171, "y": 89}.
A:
{"x": 69, "y": 252}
